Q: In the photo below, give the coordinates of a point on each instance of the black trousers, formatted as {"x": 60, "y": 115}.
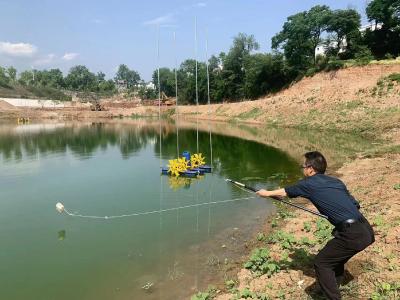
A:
{"x": 329, "y": 263}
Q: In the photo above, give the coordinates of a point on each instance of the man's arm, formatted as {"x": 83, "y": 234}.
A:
{"x": 274, "y": 193}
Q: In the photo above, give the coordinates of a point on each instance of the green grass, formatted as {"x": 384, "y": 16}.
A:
{"x": 386, "y": 291}
{"x": 251, "y": 114}
{"x": 395, "y": 77}
{"x": 210, "y": 294}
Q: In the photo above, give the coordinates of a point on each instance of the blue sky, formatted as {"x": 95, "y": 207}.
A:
{"x": 103, "y": 34}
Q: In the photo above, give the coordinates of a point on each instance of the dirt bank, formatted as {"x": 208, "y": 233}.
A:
{"x": 356, "y": 99}
{"x": 298, "y": 238}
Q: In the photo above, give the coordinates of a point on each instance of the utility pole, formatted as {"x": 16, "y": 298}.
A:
{"x": 33, "y": 74}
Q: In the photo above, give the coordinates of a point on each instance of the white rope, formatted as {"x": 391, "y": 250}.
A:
{"x": 155, "y": 211}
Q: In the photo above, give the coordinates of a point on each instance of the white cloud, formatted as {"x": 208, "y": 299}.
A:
{"x": 70, "y": 56}
{"x": 200, "y": 4}
{"x": 163, "y": 20}
{"x": 17, "y": 49}
{"x": 45, "y": 60}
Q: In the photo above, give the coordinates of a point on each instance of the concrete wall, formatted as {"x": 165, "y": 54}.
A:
{"x": 43, "y": 103}
{"x": 37, "y": 103}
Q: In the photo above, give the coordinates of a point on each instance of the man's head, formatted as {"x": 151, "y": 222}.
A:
{"x": 314, "y": 163}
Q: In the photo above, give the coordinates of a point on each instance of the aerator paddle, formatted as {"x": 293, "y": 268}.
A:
{"x": 277, "y": 198}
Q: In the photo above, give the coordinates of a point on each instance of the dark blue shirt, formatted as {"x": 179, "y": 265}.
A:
{"x": 329, "y": 195}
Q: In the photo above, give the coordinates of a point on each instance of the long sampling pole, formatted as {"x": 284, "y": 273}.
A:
{"x": 249, "y": 188}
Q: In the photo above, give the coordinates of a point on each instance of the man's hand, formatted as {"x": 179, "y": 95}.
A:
{"x": 274, "y": 194}
{"x": 263, "y": 193}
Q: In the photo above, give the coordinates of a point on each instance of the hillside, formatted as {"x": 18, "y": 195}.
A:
{"x": 32, "y": 92}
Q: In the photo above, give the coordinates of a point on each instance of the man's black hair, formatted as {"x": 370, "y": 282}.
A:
{"x": 316, "y": 160}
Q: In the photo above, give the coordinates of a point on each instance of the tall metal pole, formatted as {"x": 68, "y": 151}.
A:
{"x": 176, "y": 97}
{"x": 197, "y": 91}
{"x": 208, "y": 96}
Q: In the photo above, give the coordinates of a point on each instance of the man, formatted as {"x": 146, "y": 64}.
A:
{"x": 330, "y": 196}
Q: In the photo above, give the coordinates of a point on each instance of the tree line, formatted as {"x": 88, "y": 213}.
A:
{"x": 242, "y": 72}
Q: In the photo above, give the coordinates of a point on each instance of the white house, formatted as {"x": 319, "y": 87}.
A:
{"x": 321, "y": 49}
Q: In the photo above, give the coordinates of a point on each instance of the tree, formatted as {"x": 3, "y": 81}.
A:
{"x": 295, "y": 40}
{"x": 106, "y": 86}
{"x": 187, "y": 82}
{"x": 385, "y": 12}
{"x": 146, "y": 93}
{"x": 215, "y": 67}
{"x": 53, "y": 78}
{"x": 56, "y": 78}
{"x": 12, "y": 73}
{"x": 100, "y": 77}
{"x": 384, "y": 39}
{"x": 80, "y": 78}
{"x": 167, "y": 81}
{"x": 318, "y": 17}
{"x": 26, "y": 78}
{"x": 233, "y": 71}
{"x": 264, "y": 73}
{"x": 130, "y": 77}
{"x": 301, "y": 34}
{"x": 4, "y": 79}
{"x": 345, "y": 35}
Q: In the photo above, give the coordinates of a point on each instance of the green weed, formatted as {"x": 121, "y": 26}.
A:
{"x": 286, "y": 240}
{"x": 247, "y": 294}
{"x": 350, "y": 290}
{"x": 307, "y": 226}
{"x": 261, "y": 263}
{"x": 201, "y": 296}
{"x": 260, "y": 236}
{"x": 230, "y": 284}
{"x": 324, "y": 230}
{"x": 379, "y": 221}
{"x": 385, "y": 290}
{"x": 208, "y": 295}
{"x": 394, "y": 77}
{"x": 253, "y": 113}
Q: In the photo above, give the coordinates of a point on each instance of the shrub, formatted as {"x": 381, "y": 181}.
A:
{"x": 334, "y": 64}
{"x": 363, "y": 56}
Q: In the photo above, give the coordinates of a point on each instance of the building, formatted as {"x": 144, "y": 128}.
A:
{"x": 322, "y": 48}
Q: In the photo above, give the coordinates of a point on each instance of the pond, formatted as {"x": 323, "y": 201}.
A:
{"x": 113, "y": 169}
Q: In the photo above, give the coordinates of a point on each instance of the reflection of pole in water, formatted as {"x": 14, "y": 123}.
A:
{"x": 209, "y": 209}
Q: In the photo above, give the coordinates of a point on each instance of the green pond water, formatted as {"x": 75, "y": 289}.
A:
{"x": 114, "y": 169}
